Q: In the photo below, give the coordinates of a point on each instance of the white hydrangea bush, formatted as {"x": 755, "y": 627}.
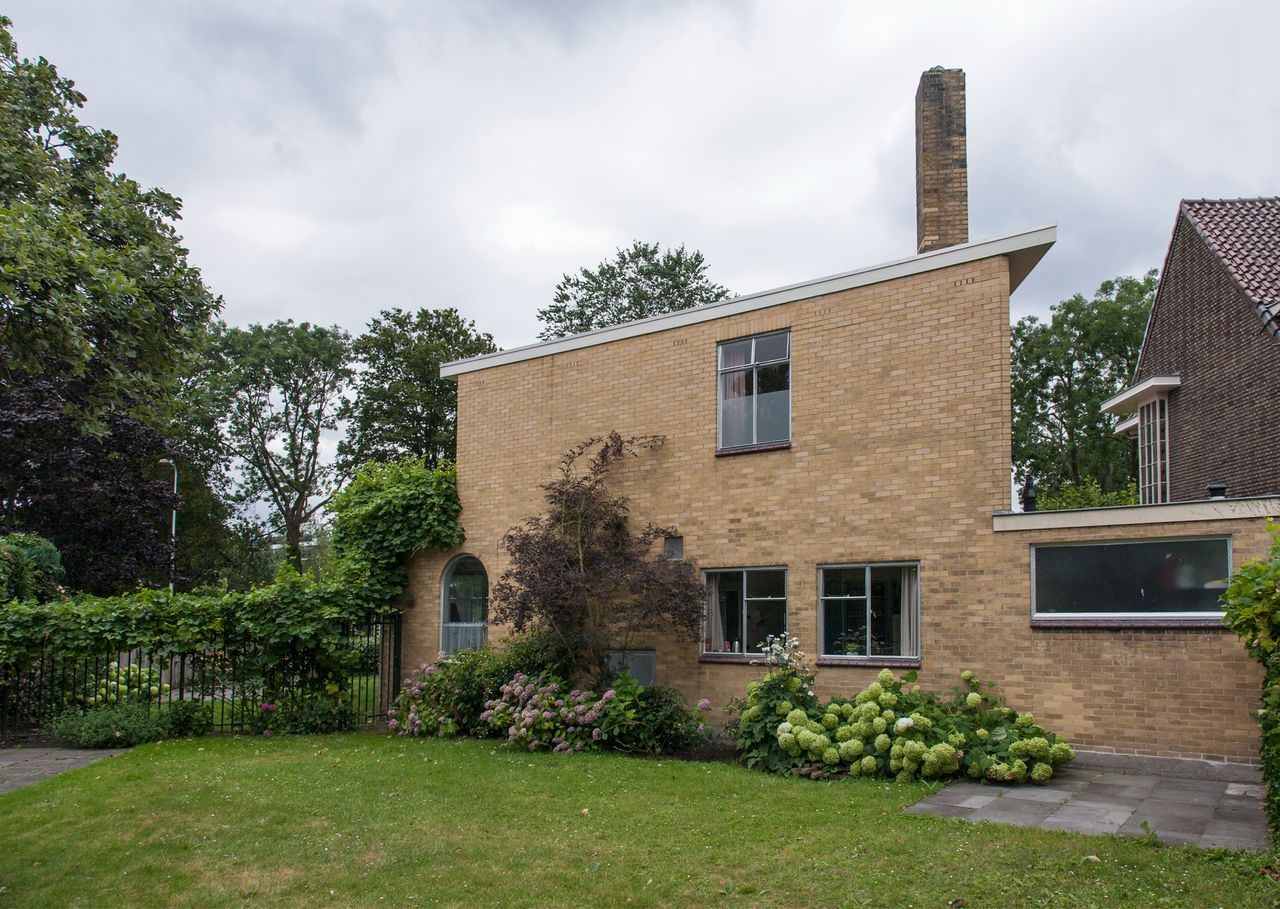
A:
{"x": 893, "y": 729}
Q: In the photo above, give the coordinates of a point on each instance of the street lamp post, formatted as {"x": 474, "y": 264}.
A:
{"x": 173, "y": 530}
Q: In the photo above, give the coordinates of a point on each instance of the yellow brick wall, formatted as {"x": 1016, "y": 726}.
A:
{"x": 899, "y": 451}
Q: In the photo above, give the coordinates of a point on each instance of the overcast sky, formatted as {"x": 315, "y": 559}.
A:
{"x": 338, "y": 159}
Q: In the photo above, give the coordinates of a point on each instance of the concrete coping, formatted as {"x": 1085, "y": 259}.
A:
{"x": 1121, "y": 515}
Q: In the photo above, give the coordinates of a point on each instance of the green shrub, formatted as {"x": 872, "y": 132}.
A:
{"x": 30, "y": 568}
{"x": 1087, "y": 494}
{"x": 788, "y": 687}
{"x": 110, "y": 726}
{"x": 310, "y": 714}
{"x": 185, "y": 719}
{"x": 123, "y": 685}
{"x": 1252, "y": 605}
{"x": 650, "y": 720}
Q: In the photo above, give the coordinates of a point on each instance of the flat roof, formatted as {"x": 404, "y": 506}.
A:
{"x": 1024, "y": 249}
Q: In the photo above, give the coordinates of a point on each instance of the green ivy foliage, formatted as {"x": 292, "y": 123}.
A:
{"x": 1252, "y": 606}
{"x": 295, "y": 623}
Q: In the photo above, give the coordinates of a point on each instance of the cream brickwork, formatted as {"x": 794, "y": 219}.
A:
{"x": 899, "y": 451}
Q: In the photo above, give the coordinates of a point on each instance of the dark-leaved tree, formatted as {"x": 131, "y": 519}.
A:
{"x": 580, "y": 572}
{"x": 639, "y": 282}
{"x": 402, "y": 407}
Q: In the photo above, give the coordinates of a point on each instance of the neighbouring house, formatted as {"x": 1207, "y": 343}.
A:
{"x": 1205, "y": 399}
{"x": 837, "y": 463}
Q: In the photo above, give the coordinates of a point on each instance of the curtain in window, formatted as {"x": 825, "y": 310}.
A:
{"x": 715, "y": 619}
{"x": 910, "y": 620}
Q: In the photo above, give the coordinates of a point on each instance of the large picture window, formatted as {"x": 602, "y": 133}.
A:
{"x": 755, "y": 391}
{"x": 744, "y": 606}
{"x": 870, "y": 611}
{"x": 1141, "y": 578}
{"x": 465, "y": 610}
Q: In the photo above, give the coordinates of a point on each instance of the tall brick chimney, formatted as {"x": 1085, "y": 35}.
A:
{"x": 942, "y": 167}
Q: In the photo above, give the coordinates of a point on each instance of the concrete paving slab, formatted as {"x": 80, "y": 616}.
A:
{"x": 21, "y": 767}
{"x": 1213, "y": 812}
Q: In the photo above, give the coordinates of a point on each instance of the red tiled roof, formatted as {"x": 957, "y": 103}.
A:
{"x": 1245, "y": 235}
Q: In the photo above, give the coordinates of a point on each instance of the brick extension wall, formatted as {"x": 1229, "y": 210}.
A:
{"x": 899, "y": 451}
{"x": 1224, "y": 425}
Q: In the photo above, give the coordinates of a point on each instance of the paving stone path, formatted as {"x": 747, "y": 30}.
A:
{"x": 1178, "y": 810}
{"x": 23, "y": 766}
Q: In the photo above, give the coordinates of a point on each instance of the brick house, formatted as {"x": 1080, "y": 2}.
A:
{"x": 837, "y": 463}
{"x": 1205, "y": 399}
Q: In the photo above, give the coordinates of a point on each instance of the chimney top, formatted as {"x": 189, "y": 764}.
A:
{"x": 942, "y": 166}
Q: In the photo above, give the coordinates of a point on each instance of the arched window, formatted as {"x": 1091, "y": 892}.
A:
{"x": 465, "y": 620}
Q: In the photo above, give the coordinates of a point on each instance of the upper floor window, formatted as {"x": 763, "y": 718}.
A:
{"x": 1153, "y": 451}
{"x": 755, "y": 391}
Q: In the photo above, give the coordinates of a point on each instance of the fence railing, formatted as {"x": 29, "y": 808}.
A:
{"x": 218, "y": 676}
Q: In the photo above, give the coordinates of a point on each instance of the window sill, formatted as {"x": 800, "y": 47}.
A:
{"x": 873, "y": 662}
{"x": 1213, "y": 623}
{"x": 740, "y": 658}
{"x": 751, "y": 449}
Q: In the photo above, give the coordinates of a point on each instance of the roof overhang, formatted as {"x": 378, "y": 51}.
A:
{"x": 1124, "y": 427}
{"x": 1024, "y": 250}
{"x": 1132, "y": 398}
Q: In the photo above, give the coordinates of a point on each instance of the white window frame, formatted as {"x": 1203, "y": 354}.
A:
{"x": 445, "y": 624}
{"x": 1153, "y": 451}
{"x": 866, "y": 598}
{"x": 1137, "y": 616}
{"x": 786, "y": 591}
{"x": 752, "y": 366}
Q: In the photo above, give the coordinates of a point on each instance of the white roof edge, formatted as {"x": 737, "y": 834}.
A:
{"x": 1026, "y": 247}
{"x": 1139, "y": 394}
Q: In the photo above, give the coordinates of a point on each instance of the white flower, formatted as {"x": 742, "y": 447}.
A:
{"x": 903, "y": 724}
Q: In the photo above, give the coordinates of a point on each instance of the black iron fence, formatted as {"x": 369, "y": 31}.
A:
{"x": 221, "y": 677}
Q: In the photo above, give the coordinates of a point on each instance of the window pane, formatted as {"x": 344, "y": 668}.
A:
{"x": 1160, "y": 576}
{"x": 766, "y": 584}
{"x": 773, "y": 403}
{"x": 844, "y": 582}
{"x": 889, "y": 611}
{"x": 735, "y": 409}
{"x": 735, "y": 353}
{"x": 764, "y": 617}
{"x": 772, "y": 347}
{"x": 467, "y": 592}
{"x": 844, "y": 627}
{"x": 724, "y": 612}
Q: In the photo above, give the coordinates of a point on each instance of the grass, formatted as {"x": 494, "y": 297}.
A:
{"x": 368, "y": 820}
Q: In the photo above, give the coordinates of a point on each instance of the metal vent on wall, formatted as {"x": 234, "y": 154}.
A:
{"x": 643, "y": 664}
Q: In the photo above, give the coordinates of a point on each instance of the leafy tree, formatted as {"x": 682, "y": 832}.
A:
{"x": 638, "y": 282}
{"x": 280, "y": 387}
{"x": 94, "y": 282}
{"x": 1087, "y": 494}
{"x": 402, "y": 407}
{"x": 578, "y": 570}
{"x": 1062, "y": 372}
{"x": 30, "y": 567}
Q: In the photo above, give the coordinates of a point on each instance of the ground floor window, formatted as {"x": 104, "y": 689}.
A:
{"x": 744, "y": 606}
{"x": 465, "y": 592}
{"x": 1130, "y": 578}
{"x": 869, "y": 610}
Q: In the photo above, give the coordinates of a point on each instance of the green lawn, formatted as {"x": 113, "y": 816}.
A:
{"x": 367, "y": 820}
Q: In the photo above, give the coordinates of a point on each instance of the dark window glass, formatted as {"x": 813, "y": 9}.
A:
{"x": 1148, "y": 577}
